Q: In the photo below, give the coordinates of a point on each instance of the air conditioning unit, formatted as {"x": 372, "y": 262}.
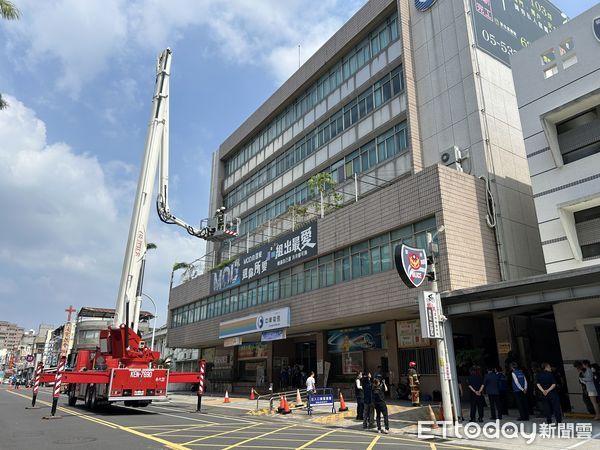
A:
{"x": 452, "y": 158}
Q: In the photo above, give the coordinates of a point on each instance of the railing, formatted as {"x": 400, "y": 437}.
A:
{"x": 275, "y": 395}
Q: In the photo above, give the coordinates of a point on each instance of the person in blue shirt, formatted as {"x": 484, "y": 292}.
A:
{"x": 547, "y": 385}
{"x": 519, "y": 387}
{"x": 492, "y": 389}
{"x": 503, "y": 390}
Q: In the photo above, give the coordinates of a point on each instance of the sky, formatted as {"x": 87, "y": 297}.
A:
{"x": 79, "y": 78}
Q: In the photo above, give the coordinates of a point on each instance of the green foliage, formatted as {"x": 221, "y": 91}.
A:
{"x": 8, "y": 10}
{"x": 468, "y": 357}
{"x": 151, "y": 246}
{"x": 324, "y": 184}
{"x": 222, "y": 264}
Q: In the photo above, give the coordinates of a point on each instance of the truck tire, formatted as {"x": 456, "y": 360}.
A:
{"x": 91, "y": 401}
{"x": 72, "y": 400}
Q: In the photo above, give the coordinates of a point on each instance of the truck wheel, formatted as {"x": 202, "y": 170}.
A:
{"x": 72, "y": 397}
{"x": 143, "y": 404}
{"x": 91, "y": 402}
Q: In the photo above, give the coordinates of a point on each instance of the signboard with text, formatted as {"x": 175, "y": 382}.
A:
{"x": 429, "y": 310}
{"x": 355, "y": 339}
{"x": 269, "y": 320}
{"x": 268, "y": 258}
{"x": 503, "y": 27}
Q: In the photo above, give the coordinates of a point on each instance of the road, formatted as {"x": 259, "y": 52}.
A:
{"x": 174, "y": 426}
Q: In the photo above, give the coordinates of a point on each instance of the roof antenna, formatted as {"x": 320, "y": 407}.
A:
{"x": 298, "y": 56}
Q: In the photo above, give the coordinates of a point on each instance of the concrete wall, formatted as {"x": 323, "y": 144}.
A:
{"x": 576, "y": 323}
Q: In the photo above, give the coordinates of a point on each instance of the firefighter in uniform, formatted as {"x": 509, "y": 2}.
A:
{"x": 413, "y": 382}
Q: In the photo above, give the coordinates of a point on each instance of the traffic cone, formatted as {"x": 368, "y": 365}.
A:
{"x": 343, "y": 406}
{"x": 280, "y": 407}
{"x": 432, "y": 418}
{"x": 299, "y": 403}
{"x": 286, "y": 406}
{"x": 226, "y": 399}
{"x": 252, "y": 394}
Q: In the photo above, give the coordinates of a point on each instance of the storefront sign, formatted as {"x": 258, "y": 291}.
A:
{"x": 503, "y": 27}
{"x": 504, "y": 347}
{"x": 269, "y": 320}
{"x": 273, "y": 335}
{"x": 352, "y": 362}
{"x": 287, "y": 249}
{"x": 252, "y": 350}
{"x": 409, "y": 334}
{"x": 429, "y": 310}
{"x": 355, "y": 339}
{"x": 66, "y": 341}
{"x": 232, "y": 341}
{"x": 411, "y": 264}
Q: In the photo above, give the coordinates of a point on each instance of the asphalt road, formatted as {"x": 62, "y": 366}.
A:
{"x": 175, "y": 426}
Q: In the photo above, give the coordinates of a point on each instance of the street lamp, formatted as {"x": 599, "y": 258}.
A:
{"x": 155, "y": 317}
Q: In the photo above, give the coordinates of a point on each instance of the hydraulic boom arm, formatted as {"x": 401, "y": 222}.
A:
{"x": 156, "y": 148}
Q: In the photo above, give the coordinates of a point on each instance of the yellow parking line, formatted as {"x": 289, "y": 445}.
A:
{"x": 179, "y": 430}
{"x": 168, "y": 444}
{"x": 220, "y": 434}
{"x": 373, "y": 442}
{"x": 318, "y": 438}
{"x": 257, "y": 437}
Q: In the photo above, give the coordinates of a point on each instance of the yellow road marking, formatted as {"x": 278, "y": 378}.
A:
{"x": 432, "y": 446}
{"x": 220, "y": 434}
{"x": 373, "y": 442}
{"x": 166, "y": 443}
{"x": 257, "y": 437}
{"x": 318, "y": 438}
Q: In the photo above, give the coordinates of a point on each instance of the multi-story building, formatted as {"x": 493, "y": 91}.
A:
{"x": 557, "y": 81}
{"x": 41, "y": 342}
{"x": 10, "y": 336}
{"x": 411, "y": 115}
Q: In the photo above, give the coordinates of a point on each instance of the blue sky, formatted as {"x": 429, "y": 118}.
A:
{"x": 79, "y": 78}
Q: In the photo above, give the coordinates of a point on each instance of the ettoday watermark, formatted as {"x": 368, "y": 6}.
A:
{"x": 508, "y": 430}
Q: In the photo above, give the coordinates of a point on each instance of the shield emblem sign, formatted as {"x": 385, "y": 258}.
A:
{"x": 596, "y": 27}
{"x": 411, "y": 264}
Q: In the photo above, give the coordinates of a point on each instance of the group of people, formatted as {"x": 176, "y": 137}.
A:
{"x": 292, "y": 377}
{"x": 370, "y": 399}
{"x": 542, "y": 389}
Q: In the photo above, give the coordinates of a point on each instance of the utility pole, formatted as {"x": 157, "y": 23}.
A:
{"x": 440, "y": 343}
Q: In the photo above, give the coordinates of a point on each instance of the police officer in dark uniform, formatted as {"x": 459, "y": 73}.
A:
{"x": 547, "y": 384}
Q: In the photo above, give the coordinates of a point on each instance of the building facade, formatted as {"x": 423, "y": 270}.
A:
{"x": 415, "y": 126}
{"x": 557, "y": 81}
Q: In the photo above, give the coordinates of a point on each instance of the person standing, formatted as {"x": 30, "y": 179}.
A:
{"x": 475, "y": 385}
{"x": 586, "y": 378}
{"x": 358, "y": 389}
{"x": 503, "y": 391}
{"x": 519, "y": 386}
{"x": 492, "y": 389}
{"x": 546, "y": 383}
{"x": 379, "y": 389}
{"x": 368, "y": 411}
{"x": 413, "y": 382}
{"x": 310, "y": 384}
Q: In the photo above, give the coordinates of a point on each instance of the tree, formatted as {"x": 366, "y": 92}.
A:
{"x": 188, "y": 268}
{"x": 323, "y": 183}
{"x": 8, "y": 11}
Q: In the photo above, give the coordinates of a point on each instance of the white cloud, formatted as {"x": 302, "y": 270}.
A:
{"x": 63, "y": 230}
{"x": 87, "y": 37}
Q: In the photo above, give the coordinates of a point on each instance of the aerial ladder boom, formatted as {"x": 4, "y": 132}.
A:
{"x": 157, "y": 149}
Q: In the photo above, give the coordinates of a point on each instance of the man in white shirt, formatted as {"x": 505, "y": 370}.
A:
{"x": 310, "y": 383}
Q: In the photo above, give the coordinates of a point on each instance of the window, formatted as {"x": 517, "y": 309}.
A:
{"x": 579, "y": 136}
{"x": 587, "y": 225}
{"x": 569, "y": 61}
{"x": 548, "y": 56}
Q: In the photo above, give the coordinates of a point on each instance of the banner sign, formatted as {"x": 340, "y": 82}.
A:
{"x": 232, "y": 341}
{"x": 429, "y": 309}
{"x": 265, "y": 259}
{"x": 503, "y": 27}
{"x": 355, "y": 339}
{"x": 274, "y": 335}
{"x": 269, "y": 320}
{"x": 352, "y": 362}
{"x": 411, "y": 264}
{"x": 252, "y": 350}
{"x": 409, "y": 334}
{"x": 66, "y": 340}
